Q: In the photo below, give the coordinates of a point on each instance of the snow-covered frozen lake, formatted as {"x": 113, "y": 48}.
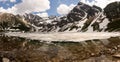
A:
{"x": 65, "y": 36}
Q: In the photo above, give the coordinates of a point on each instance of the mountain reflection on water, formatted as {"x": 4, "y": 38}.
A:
{"x": 17, "y": 49}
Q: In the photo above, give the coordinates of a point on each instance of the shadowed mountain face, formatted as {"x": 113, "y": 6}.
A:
{"x": 82, "y": 18}
{"x": 112, "y": 12}
{"x": 16, "y": 49}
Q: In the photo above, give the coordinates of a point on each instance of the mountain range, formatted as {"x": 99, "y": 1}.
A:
{"x": 82, "y": 18}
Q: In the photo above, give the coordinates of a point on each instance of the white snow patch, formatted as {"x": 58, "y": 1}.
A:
{"x": 104, "y": 23}
{"x": 65, "y": 36}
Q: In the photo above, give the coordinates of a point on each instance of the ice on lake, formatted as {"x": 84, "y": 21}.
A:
{"x": 65, "y": 36}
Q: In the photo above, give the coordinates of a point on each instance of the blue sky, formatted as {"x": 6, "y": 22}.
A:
{"x": 45, "y": 7}
{"x": 6, "y": 4}
{"x": 53, "y": 5}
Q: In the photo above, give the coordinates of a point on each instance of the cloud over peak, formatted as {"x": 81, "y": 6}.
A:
{"x": 41, "y": 6}
{"x": 100, "y": 3}
{"x": 65, "y": 9}
{"x": 28, "y": 6}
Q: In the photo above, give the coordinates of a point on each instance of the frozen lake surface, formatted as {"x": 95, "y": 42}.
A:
{"x": 65, "y": 36}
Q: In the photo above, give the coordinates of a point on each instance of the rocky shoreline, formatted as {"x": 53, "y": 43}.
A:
{"x": 17, "y": 49}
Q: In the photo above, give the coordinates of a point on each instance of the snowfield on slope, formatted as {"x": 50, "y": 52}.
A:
{"x": 65, "y": 36}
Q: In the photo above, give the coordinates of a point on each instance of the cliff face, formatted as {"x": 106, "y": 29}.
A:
{"x": 82, "y": 11}
{"x": 112, "y": 12}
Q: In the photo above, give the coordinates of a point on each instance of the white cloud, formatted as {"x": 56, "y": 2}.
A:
{"x": 12, "y": 0}
{"x": 44, "y": 14}
{"x": 100, "y": 3}
{"x": 28, "y": 6}
{"x": 9, "y": 10}
{"x": 64, "y": 9}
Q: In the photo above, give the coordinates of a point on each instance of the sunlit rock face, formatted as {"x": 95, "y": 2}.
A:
{"x": 16, "y": 49}
{"x": 112, "y": 12}
{"x": 10, "y": 21}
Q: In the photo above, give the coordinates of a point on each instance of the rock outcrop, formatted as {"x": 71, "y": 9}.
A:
{"x": 10, "y": 21}
{"x": 112, "y": 12}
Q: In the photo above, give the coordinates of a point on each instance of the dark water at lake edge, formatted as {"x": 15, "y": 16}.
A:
{"x": 17, "y": 49}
